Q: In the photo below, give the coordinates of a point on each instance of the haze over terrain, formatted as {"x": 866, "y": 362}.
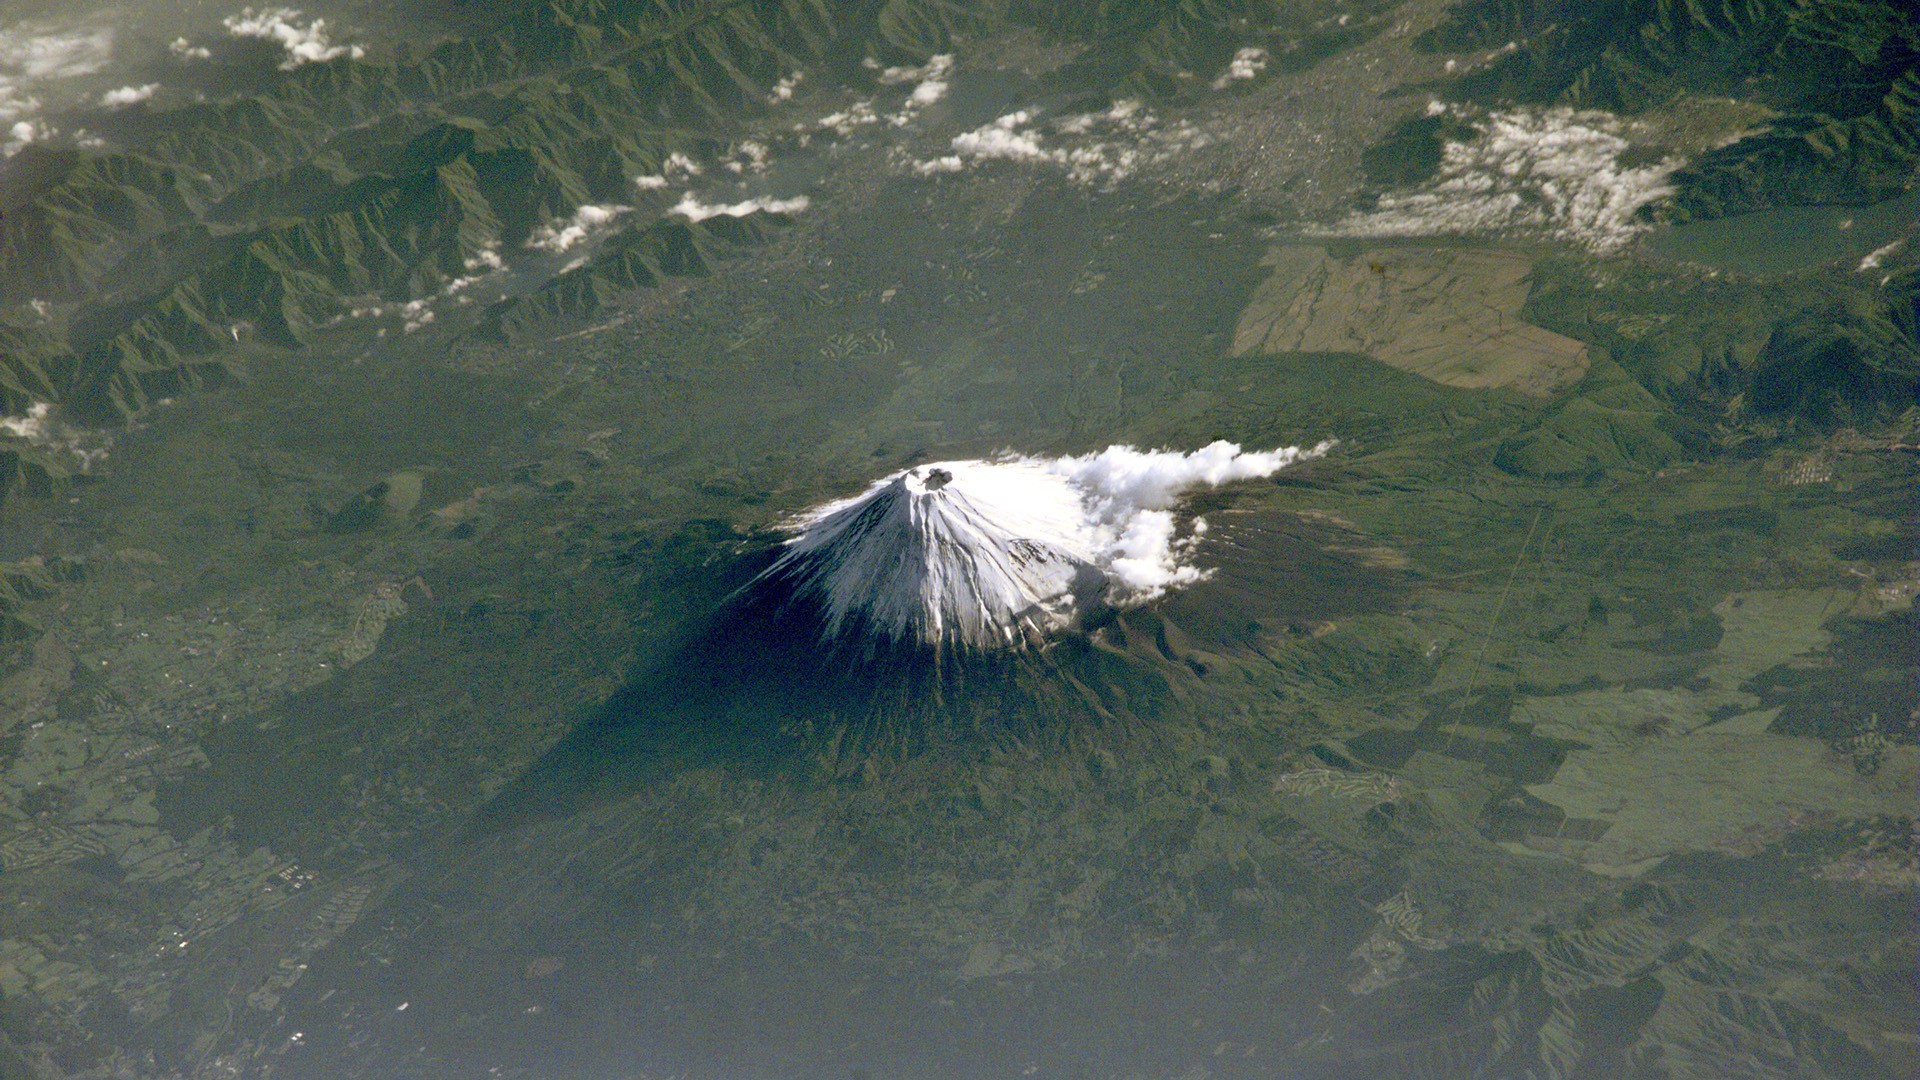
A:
{"x": 397, "y": 402}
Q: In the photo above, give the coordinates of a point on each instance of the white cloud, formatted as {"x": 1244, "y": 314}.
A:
{"x": 40, "y": 428}
{"x": 415, "y": 315}
{"x": 15, "y": 103}
{"x": 749, "y": 156}
{"x": 949, "y": 163}
{"x": 32, "y": 427}
{"x": 783, "y": 90}
{"x": 304, "y": 44}
{"x": 1092, "y": 148}
{"x": 187, "y": 50}
{"x": 1129, "y": 496}
{"x": 1873, "y": 259}
{"x": 1127, "y": 114}
{"x": 39, "y": 51}
{"x": 1245, "y": 64}
{"x": 695, "y": 210}
{"x": 586, "y": 221}
{"x": 845, "y": 122}
{"x": 899, "y": 76}
{"x": 1546, "y": 172}
{"x": 1121, "y": 480}
{"x": 22, "y": 133}
{"x": 33, "y": 57}
{"x": 929, "y": 85}
{"x": 1008, "y": 139}
{"x": 927, "y": 93}
{"x": 481, "y": 266}
{"x": 128, "y": 95}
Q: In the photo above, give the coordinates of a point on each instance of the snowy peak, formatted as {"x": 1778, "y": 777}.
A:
{"x": 993, "y": 554}
{"x": 970, "y": 553}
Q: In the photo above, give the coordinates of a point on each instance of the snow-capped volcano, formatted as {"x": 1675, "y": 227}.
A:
{"x": 984, "y": 554}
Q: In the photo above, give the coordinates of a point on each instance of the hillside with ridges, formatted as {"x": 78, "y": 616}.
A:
{"x": 639, "y": 256}
{"x": 86, "y": 212}
{"x": 29, "y": 369}
{"x": 391, "y": 177}
{"x": 1841, "y": 78}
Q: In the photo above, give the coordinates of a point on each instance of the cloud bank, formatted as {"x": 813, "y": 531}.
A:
{"x": 128, "y": 95}
{"x": 40, "y": 428}
{"x": 34, "y": 56}
{"x": 304, "y": 43}
{"x": 1091, "y": 148}
{"x": 693, "y": 209}
{"x": 586, "y": 221}
{"x": 1555, "y": 173}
